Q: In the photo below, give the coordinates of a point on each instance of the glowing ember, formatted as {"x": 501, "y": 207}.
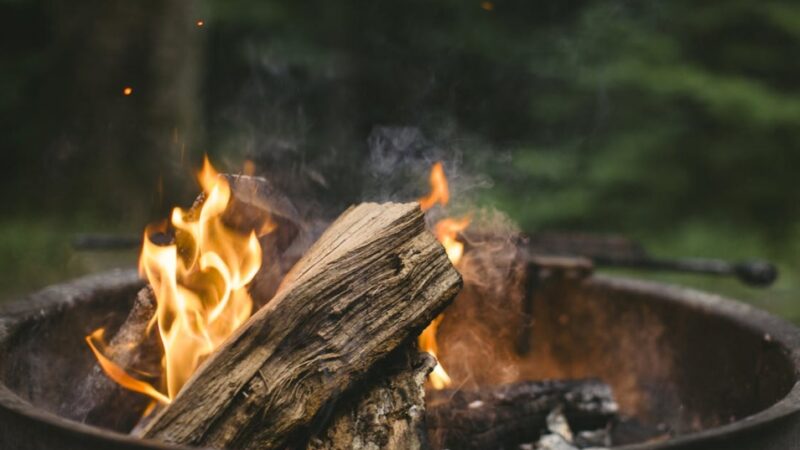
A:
{"x": 127, "y": 90}
{"x": 446, "y": 231}
{"x": 200, "y": 23}
{"x": 200, "y": 288}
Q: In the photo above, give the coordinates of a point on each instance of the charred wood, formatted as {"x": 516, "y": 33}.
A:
{"x": 389, "y": 414}
{"x": 508, "y": 415}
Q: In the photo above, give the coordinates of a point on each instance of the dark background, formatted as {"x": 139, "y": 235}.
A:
{"x": 673, "y": 122}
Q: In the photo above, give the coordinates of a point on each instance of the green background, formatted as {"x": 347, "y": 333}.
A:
{"x": 672, "y": 122}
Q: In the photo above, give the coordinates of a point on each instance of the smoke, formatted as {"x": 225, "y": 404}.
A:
{"x": 400, "y": 159}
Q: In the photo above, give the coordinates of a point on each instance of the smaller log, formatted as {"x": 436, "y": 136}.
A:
{"x": 102, "y": 402}
{"x": 508, "y": 415}
{"x": 390, "y": 415}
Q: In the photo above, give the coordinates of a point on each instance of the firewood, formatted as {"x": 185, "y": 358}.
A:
{"x": 508, "y": 415}
{"x": 373, "y": 280}
{"x": 389, "y": 414}
{"x": 100, "y": 401}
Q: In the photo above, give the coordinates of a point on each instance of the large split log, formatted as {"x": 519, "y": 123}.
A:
{"x": 508, "y": 415}
{"x": 373, "y": 280}
{"x": 389, "y": 414}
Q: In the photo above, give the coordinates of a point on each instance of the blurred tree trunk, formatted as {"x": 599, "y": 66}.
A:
{"x": 111, "y": 147}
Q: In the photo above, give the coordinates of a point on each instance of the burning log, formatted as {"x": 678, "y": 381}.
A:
{"x": 256, "y": 205}
{"x": 132, "y": 347}
{"x": 253, "y": 205}
{"x": 374, "y": 279}
{"x": 390, "y": 415}
{"x": 509, "y": 415}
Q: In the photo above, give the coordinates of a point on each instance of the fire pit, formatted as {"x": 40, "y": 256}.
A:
{"x": 398, "y": 328}
{"x": 720, "y": 374}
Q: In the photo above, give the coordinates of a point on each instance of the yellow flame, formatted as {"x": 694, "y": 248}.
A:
{"x": 446, "y": 231}
{"x": 200, "y": 284}
{"x": 118, "y": 374}
{"x": 208, "y": 176}
{"x": 438, "y": 378}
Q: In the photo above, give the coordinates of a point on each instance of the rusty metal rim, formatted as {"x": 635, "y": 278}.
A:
{"x": 46, "y": 302}
{"x": 756, "y": 320}
{"x": 50, "y": 301}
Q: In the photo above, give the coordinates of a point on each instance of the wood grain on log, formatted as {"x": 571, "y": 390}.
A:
{"x": 387, "y": 415}
{"x": 508, "y": 415}
{"x": 374, "y": 279}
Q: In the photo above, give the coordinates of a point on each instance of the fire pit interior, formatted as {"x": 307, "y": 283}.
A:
{"x": 677, "y": 359}
{"x": 247, "y": 335}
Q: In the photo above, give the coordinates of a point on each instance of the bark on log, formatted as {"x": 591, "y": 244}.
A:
{"x": 389, "y": 415}
{"x": 374, "y": 279}
{"x": 509, "y": 415}
{"x": 100, "y": 401}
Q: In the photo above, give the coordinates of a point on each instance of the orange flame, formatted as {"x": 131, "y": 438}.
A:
{"x": 117, "y": 373}
{"x": 446, "y": 231}
{"x": 200, "y": 284}
{"x": 439, "y": 191}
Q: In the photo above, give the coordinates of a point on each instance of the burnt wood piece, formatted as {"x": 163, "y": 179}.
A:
{"x": 508, "y": 415}
{"x": 388, "y": 415}
{"x": 373, "y": 280}
{"x": 98, "y": 400}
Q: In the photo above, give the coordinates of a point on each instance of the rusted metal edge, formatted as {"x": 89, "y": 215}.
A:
{"x": 779, "y": 331}
{"x": 49, "y": 302}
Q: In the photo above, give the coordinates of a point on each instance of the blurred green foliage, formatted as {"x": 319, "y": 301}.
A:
{"x": 673, "y": 122}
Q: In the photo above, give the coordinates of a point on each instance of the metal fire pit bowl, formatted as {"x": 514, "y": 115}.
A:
{"x": 720, "y": 373}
